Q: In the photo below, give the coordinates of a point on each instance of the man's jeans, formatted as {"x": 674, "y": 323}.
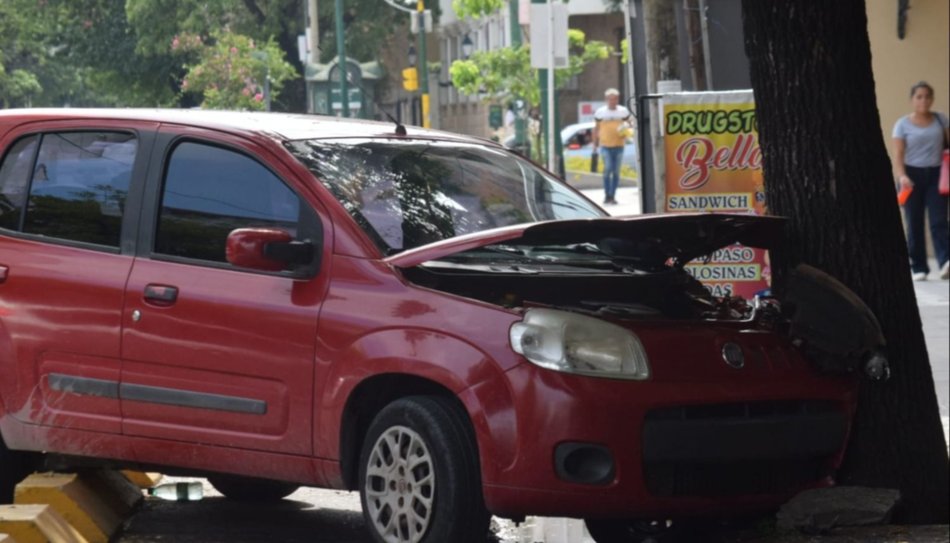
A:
{"x": 925, "y": 196}
{"x": 612, "y": 156}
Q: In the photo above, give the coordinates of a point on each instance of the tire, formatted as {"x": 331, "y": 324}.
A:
{"x": 251, "y": 490}
{"x": 14, "y": 467}
{"x": 430, "y": 491}
{"x": 638, "y": 531}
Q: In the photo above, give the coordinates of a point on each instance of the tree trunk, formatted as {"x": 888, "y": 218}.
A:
{"x": 827, "y": 170}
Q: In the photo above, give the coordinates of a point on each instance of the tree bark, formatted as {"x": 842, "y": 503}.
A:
{"x": 827, "y": 170}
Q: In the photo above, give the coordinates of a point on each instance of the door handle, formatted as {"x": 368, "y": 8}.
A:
{"x": 161, "y": 294}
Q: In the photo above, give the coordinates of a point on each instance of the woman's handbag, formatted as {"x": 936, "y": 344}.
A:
{"x": 945, "y": 174}
{"x": 944, "y": 185}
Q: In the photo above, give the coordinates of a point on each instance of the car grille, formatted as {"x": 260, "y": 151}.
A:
{"x": 732, "y": 475}
{"x": 744, "y": 410}
{"x": 748, "y": 477}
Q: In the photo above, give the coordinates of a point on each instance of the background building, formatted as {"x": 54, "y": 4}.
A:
{"x": 923, "y": 54}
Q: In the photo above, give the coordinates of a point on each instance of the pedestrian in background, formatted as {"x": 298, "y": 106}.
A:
{"x": 611, "y": 126}
{"x": 919, "y": 140}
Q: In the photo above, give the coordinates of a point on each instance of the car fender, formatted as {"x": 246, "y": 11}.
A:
{"x": 444, "y": 360}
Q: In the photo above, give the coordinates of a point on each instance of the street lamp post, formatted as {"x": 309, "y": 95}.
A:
{"x": 342, "y": 66}
{"x": 467, "y": 47}
{"x": 423, "y": 63}
{"x": 520, "y": 120}
{"x": 413, "y": 58}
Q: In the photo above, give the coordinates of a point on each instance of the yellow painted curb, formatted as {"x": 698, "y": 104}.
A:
{"x": 37, "y": 524}
{"x": 141, "y": 478}
{"x": 74, "y": 499}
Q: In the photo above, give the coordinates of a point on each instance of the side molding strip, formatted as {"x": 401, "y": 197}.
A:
{"x": 102, "y": 388}
{"x": 187, "y": 398}
{"x": 85, "y": 386}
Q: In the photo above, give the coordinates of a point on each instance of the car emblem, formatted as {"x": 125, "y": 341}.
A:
{"x": 733, "y": 355}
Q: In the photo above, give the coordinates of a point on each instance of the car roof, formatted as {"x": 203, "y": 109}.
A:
{"x": 281, "y": 126}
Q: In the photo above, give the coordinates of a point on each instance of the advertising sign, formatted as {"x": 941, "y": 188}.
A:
{"x": 713, "y": 163}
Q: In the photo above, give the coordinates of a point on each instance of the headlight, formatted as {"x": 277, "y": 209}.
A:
{"x": 573, "y": 343}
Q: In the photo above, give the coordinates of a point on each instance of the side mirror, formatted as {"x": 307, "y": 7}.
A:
{"x": 267, "y": 249}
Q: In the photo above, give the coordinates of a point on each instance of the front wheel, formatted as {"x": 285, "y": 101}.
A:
{"x": 419, "y": 474}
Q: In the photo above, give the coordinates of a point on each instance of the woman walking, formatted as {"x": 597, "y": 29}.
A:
{"x": 919, "y": 139}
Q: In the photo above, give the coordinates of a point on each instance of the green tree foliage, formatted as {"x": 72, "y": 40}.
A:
{"x": 476, "y": 9}
{"x": 230, "y": 71}
{"x": 24, "y": 54}
{"x": 97, "y": 36}
{"x": 504, "y": 73}
{"x": 17, "y": 86}
{"x": 118, "y": 52}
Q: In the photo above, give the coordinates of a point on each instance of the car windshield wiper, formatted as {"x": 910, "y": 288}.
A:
{"x": 587, "y": 248}
{"x": 508, "y": 251}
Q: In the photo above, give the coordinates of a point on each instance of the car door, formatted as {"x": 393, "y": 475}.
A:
{"x": 68, "y": 191}
{"x": 212, "y": 353}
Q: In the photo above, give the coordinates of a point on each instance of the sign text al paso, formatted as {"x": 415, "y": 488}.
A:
{"x": 714, "y": 164}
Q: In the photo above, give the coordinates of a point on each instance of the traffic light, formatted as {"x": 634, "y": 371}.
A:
{"x": 410, "y": 79}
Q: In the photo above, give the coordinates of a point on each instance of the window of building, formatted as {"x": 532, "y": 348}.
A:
{"x": 209, "y": 192}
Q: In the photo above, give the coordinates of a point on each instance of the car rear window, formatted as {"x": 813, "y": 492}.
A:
{"x": 73, "y": 187}
{"x": 15, "y": 181}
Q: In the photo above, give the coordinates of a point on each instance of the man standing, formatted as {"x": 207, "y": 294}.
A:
{"x": 610, "y": 134}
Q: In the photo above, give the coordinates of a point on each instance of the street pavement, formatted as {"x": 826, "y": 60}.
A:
{"x": 326, "y": 516}
{"x": 933, "y": 299}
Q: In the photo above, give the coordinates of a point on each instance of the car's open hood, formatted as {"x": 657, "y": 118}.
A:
{"x": 683, "y": 236}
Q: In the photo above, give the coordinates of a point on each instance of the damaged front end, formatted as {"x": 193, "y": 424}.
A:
{"x": 632, "y": 269}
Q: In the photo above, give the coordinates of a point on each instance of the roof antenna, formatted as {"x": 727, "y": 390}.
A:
{"x": 400, "y": 129}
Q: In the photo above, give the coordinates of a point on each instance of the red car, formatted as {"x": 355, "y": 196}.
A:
{"x": 427, "y": 318}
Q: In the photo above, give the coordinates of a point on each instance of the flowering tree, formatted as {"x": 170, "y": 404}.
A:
{"x": 231, "y": 70}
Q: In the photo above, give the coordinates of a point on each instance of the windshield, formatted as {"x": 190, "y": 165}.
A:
{"x": 409, "y": 193}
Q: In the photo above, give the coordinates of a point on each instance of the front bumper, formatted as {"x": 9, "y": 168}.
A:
{"x": 676, "y": 448}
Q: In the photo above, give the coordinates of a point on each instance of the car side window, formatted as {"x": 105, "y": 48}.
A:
{"x": 15, "y": 181}
{"x": 209, "y": 192}
{"x": 77, "y": 187}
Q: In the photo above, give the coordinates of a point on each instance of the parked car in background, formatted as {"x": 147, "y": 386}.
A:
{"x": 425, "y": 318}
{"x": 577, "y": 142}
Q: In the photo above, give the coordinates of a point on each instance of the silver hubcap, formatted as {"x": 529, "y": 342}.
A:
{"x": 400, "y": 485}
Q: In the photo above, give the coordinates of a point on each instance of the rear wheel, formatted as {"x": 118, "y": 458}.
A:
{"x": 419, "y": 475}
{"x": 251, "y": 490}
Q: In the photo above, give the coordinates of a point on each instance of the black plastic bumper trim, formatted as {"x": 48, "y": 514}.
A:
{"x": 712, "y": 440}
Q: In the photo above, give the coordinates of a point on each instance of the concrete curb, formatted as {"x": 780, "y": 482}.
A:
{"x": 37, "y": 524}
